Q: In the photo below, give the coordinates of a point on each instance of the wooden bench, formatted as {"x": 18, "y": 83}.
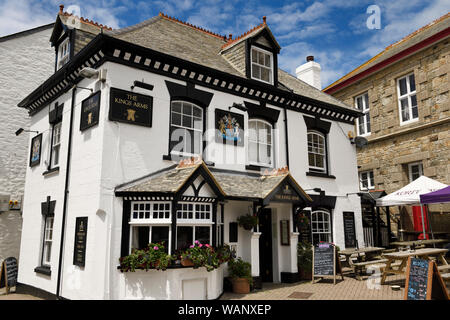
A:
{"x": 358, "y": 267}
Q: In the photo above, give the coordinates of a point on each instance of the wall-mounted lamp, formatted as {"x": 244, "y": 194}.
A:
{"x": 238, "y": 106}
{"x": 91, "y": 73}
{"x": 142, "y": 85}
{"x": 23, "y": 130}
{"x": 360, "y": 194}
{"x": 314, "y": 189}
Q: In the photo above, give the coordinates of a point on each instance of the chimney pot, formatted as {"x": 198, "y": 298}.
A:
{"x": 264, "y": 19}
{"x": 309, "y": 58}
{"x": 230, "y": 36}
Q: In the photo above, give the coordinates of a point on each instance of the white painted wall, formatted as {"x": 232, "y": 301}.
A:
{"x": 25, "y": 62}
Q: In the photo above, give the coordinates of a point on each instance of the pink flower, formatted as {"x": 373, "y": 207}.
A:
{"x": 196, "y": 241}
{"x": 191, "y": 246}
{"x": 207, "y": 245}
{"x": 155, "y": 248}
{"x": 200, "y": 245}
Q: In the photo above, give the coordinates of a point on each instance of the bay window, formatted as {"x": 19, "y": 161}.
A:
{"x": 260, "y": 143}
{"x": 407, "y": 100}
{"x": 186, "y": 129}
{"x": 194, "y": 223}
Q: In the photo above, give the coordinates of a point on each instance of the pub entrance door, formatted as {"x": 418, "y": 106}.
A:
{"x": 265, "y": 246}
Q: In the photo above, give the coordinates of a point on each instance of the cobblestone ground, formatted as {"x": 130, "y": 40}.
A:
{"x": 347, "y": 289}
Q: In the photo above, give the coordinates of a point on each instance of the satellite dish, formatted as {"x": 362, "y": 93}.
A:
{"x": 361, "y": 142}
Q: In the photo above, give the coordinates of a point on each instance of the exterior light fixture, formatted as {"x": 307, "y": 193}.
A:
{"x": 23, "y": 130}
{"x": 238, "y": 106}
{"x": 314, "y": 189}
{"x": 88, "y": 73}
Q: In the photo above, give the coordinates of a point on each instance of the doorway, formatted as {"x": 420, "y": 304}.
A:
{"x": 265, "y": 246}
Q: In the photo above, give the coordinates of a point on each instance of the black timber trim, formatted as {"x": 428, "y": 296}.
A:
{"x": 320, "y": 174}
{"x": 200, "y": 171}
{"x": 322, "y": 201}
{"x": 261, "y": 111}
{"x": 189, "y": 93}
{"x": 317, "y": 124}
{"x": 254, "y": 167}
{"x": 125, "y": 242}
{"x": 23, "y": 288}
{"x": 287, "y": 181}
{"x": 105, "y": 46}
{"x": 49, "y": 171}
{"x": 46, "y": 270}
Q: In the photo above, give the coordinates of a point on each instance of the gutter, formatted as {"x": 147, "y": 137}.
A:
{"x": 66, "y": 194}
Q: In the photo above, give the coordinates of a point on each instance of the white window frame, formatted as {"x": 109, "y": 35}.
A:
{"x": 271, "y": 68}
{"x": 150, "y": 221}
{"x": 261, "y": 143}
{"x": 184, "y": 153}
{"x": 324, "y": 154}
{"x": 366, "y": 110}
{"x": 313, "y": 232}
{"x": 410, "y": 167}
{"x": 56, "y": 144}
{"x": 369, "y": 182}
{"x": 48, "y": 240}
{"x": 63, "y": 53}
{"x": 407, "y": 95}
{"x": 194, "y": 222}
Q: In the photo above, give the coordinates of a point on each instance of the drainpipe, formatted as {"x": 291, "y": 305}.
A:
{"x": 286, "y": 136}
{"x": 66, "y": 193}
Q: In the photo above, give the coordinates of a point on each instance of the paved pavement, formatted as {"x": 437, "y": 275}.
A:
{"x": 16, "y": 296}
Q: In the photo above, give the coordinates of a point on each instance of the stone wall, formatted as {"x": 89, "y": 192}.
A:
{"x": 26, "y": 60}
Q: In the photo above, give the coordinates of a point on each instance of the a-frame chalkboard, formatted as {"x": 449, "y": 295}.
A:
{"x": 423, "y": 281}
{"x": 8, "y": 273}
{"x": 325, "y": 261}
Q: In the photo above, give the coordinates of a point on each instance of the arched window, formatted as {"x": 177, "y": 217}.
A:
{"x": 316, "y": 151}
{"x": 320, "y": 226}
{"x": 260, "y": 143}
{"x": 186, "y": 128}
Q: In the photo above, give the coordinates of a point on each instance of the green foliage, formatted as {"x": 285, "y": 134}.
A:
{"x": 304, "y": 256}
{"x": 153, "y": 256}
{"x": 248, "y": 221}
{"x": 202, "y": 255}
{"x": 238, "y": 268}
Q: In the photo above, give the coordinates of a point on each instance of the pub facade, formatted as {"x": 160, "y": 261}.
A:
{"x": 165, "y": 131}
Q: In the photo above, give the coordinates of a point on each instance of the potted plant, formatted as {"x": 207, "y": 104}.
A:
{"x": 304, "y": 260}
{"x": 153, "y": 256}
{"x": 200, "y": 255}
{"x": 248, "y": 221}
{"x": 241, "y": 275}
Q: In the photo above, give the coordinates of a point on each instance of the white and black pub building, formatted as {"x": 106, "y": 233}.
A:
{"x": 111, "y": 127}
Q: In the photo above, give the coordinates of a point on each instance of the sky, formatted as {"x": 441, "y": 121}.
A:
{"x": 340, "y": 34}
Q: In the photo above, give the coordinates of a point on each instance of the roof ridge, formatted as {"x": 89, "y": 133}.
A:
{"x": 167, "y": 17}
{"x": 231, "y": 41}
{"x": 82, "y": 19}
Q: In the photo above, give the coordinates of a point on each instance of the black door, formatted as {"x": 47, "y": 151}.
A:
{"x": 265, "y": 246}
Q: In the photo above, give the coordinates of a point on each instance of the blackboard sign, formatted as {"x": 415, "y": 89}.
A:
{"x": 284, "y": 232}
{"x": 304, "y": 226}
{"x": 233, "y": 232}
{"x": 79, "y": 252}
{"x": 8, "y": 275}
{"x": 90, "y": 111}
{"x": 423, "y": 281}
{"x": 349, "y": 229}
{"x": 130, "y": 107}
{"x": 325, "y": 261}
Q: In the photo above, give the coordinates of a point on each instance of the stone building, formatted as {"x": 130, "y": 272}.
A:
{"x": 404, "y": 93}
{"x": 23, "y": 55}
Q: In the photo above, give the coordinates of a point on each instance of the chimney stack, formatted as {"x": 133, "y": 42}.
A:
{"x": 310, "y": 72}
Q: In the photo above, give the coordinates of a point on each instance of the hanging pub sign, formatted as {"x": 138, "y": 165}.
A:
{"x": 79, "y": 251}
{"x": 35, "y": 151}
{"x": 229, "y": 128}
{"x": 90, "y": 111}
{"x": 130, "y": 107}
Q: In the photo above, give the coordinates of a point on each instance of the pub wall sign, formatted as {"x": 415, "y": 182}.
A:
{"x": 130, "y": 107}
{"x": 90, "y": 111}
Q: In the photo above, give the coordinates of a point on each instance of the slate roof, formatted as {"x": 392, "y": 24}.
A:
{"x": 410, "y": 40}
{"x": 191, "y": 43}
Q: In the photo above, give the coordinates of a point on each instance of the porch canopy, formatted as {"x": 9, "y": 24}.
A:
{"x": 439, "y": 196}
{"x": 410, "y": 194}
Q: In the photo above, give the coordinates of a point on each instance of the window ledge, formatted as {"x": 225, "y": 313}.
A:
{"x": 320, "y": 175}
{"x": 50, "y": 171}
{"x": 43, "y": 270}
{"x": 256, "y": 167}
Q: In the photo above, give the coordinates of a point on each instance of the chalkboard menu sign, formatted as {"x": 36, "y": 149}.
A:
{"x": 423, "y": 281}
{"x": 79, "y": 252}
{"x": 130, "y": 107}
{"x": 8, "y": 275}
{"x": 304, "y": 226}
{"x": 325, "y": 261}
{"x": 90, "y": 111}
{"x": 349, "y": 229}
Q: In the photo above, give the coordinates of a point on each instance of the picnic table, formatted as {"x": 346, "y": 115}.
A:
{"x": 403, "y": 256}
{"x": 369, "y": 253}
{"x": 419, "y": 242}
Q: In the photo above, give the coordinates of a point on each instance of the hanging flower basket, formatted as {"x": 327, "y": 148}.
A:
{"x": 248, "y": 221}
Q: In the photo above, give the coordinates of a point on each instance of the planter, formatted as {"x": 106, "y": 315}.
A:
{"x": 240, "y": 285}
{"x": 187, "y": 263}
{"x": 248, "y": 227}
{"x": 305, "y": 275}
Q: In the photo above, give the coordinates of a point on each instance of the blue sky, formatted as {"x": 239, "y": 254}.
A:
{"x": 334, "y": 31}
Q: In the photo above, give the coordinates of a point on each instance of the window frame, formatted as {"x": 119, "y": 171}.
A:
{"x": 176, "y": 126}
{"x": 195, "y": 222}
{"x": 46, "y": 240}
{"x": 366, "y": 110}
{"x": 325, "y": 152}
{"x": 329, "y": 222}
{"x": 272, "y": 157}
{"x": 410, "y": 173}
{"x": 408, "y": 96}
{"x": 63, "y": 55}
{"x": 55, "y": 146}
{"x": 271, "y": 69}
{"x": 370, "y": 186}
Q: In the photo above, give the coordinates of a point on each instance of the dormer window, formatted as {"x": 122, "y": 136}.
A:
{"x": 63, "y": 53}
{"x": 262, "y": 65}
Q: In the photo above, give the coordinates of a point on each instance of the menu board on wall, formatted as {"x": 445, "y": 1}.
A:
{"x": 349, "y": 229}
{"x": 130, "y": 107}
{"x": 79, "y": 251}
